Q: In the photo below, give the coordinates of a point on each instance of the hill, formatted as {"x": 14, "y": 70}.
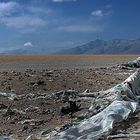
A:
{"x": 115, "y": 46}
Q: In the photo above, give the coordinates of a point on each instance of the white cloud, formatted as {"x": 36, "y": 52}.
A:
{"x": 24, "y": 19}
{"x": 24, "y": 22}
{"x": 63, "y": 0}
{"x": 101, "y": 13}
{"x": 81, "y": 28}
{"x": 98, "y": 13}
{"x": 6, "y": 9}
{"x": 28, "y": 44}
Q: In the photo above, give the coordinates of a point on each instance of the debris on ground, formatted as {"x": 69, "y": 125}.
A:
{"x": 125, "y": 100}
{"x": 70, "y": 108}
{"x": 53, "y": 104}
{"x": 35, "y": 96}
{"x": 132, "y": 64}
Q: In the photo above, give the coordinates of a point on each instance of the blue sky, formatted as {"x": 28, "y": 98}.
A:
{"x": 51, "y": 25}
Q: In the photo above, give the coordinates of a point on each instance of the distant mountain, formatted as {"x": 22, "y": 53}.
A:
{"x": 15, "y": 51}
{"x": 25, "y": 51}
{"x": 115, "y": 46}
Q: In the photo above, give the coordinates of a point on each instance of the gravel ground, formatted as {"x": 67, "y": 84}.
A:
{"x": 26, "y": 116}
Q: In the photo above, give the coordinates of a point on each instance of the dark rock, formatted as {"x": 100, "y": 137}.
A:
{"x": 45, "y": 132}
{"x": 38, "y": 82}
{"x": 9, "y": 112}
{"x": 25, "y": 128}
{"x": 65, "y": 126}
{"x": 2, "y": 106}
{"x": 71, "y": 108}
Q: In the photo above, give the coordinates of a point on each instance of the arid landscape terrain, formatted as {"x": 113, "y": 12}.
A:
{"x": 23, "y": 62}
{"x": 33, "y": 82}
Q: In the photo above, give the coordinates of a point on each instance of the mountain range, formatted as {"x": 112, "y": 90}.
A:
{"x": 115, "y": 46}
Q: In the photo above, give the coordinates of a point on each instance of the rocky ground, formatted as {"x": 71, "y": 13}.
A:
{"x": 30, "y": 104}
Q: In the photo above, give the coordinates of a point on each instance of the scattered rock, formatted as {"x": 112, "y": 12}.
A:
{"x": 71, "y": 108}
{"x": 2, "y": 106}
{"x": 38, "y": 82}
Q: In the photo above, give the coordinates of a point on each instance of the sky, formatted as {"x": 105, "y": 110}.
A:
{"x": 52, "y": 25}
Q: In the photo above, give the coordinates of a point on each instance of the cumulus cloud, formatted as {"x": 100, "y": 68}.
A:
{"x": 28, "y": 44}
{"x": 24, "y": 19}
{"x": 63, "y": 0}
{"x": 98, "y": 13}
{"x": 81, "y": 28}
{"x": 101, "y": 13}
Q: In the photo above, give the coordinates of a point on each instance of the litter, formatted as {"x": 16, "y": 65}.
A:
{"x": 119, "y": 109}
{"x": 124, "y": 135}
{"x": 38, "y": 95}
{"x": 65, "y": 95}
{"x": 33, "y": 137}
{"x": 110, "y": 107}
{"x": 3, "y": 94}
{"x": 5, "y": 138}
{"x": 19, "y": 111}
{"x": 11, "y": 96}
{"x": 87, "y": 93}
{"x": 32, "y": 122}
{"x": 133, "y": 64}
{"x": 96, "y": 126}
{"x": 44, "y": 137}
{"x": 32, "y": 109}
{"x": 9, "y": 111}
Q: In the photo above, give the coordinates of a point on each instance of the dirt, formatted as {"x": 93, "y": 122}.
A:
{"x": 21, "y": 63}
{"x": 26, "y": 116}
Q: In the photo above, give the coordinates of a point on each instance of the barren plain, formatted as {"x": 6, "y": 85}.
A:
{"x": 33, "y": 76}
